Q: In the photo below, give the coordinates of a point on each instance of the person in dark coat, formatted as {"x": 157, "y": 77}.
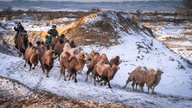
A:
{"x": 18, "y": 28}
{"x": 52, "y": 34}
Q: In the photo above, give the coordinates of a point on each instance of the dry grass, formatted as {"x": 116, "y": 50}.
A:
{"x": 41, "y": 15}
{"x": 83, "y": 36}
{"x": 189, "y": 48}
{"x": 175, "y": 39}
{"x": 52, "y": 101}
{"x": 188, "y": 33}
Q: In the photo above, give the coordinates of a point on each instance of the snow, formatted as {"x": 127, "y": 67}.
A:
{"x": 29, "y": 25}
{"x": 171, "y": 31}
{"x": 13, "y": 89}
{"x": 174, "y": 89}
{"x": 187, "y": 43}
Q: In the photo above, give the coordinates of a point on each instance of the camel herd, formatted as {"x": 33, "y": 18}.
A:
{"x": 73, "y": 59}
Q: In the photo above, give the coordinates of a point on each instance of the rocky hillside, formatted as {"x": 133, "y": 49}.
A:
{"x": 99, "y": 28}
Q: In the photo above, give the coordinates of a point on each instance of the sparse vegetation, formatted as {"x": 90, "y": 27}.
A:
{"x": 41, "y": 15}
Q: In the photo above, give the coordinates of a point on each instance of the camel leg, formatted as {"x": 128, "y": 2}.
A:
{"x": 105, "y": 83}
{"x": 136, "y": 86}
{"x": 109, "y": 84}
{"x": 153, "y": 88}
{"x": 43, "y": 68}
{"x": 148, "y": 89}
{"x": 126, "y": 84}
{"x": 62, "y": 73}
{"x": 70, "y": 74}
{"x": 25, "y": 63}
{"x": 30, "y": 65}
{"x": 141, "y": 87}
{"x": 34, "y": 66}
{"x": 94, "y": 77}
{"x": 75, "y": 77}
{"x": 88, "y": 71}
{"x": 101, "y": 82}
{"x": 98, "y": 80}
{"x": 47, "y": 72}
{"x": 133, "y": 84}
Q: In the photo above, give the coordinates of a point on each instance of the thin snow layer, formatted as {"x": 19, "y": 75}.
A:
{"x": 174, "y": 89}
{"x": 29, "y": 25}
{"x": 12, "y": 90}
{"x": 108, "y": 16}
{"x": 171, "y": 31}
{"x": 187, "y": 43}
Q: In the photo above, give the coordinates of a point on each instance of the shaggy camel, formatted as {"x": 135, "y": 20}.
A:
{"x": 153, "y": 79}
{"x": 31, "y": 56}
{"x": 93, "y": 62}
{"x": 59, "y": 47}
{"x": 41, "y": 49}
{"x": 138, "y": 76}
{"x": 72, "y": 63}
{"x": 104, "y": 71}
{"x": 46, "y": 57}
{"x": 47, "y": 61}
{"x": 21, "y": 42}
{"x": 96, "y": 58}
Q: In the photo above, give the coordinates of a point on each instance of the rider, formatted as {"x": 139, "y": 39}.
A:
{"x": 52, "y": 34}
{"x": 18, "y": 28}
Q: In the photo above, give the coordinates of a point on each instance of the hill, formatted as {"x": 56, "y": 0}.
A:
{"x": 102, "y": 28}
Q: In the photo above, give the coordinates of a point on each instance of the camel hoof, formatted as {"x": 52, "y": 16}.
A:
{"x": 86, "y": 79}
{"x": 153, "y": 93}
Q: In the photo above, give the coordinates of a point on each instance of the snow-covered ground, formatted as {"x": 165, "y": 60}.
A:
{"x": 176, "y": 35}
{"x": 174, "y": 89}
{"x": 31, "y": 25}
